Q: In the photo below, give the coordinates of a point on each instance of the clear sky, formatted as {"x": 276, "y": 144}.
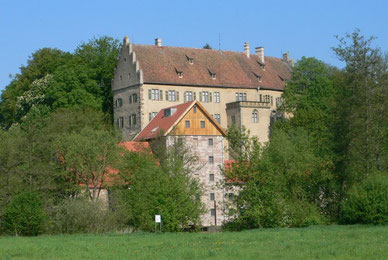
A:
{"x": 304, "y": 28}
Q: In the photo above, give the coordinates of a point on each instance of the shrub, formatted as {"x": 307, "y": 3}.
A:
{"x": 83, "y": 216}
{"x": 24, "y": 215}
{"x": 367, "y": 202}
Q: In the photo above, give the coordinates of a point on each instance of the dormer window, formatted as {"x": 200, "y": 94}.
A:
{"x": 155, "y": 129}
{"x": 190, "y": 60}
{"x": 212, "y": 74}
{"x": 179, "y": 72}
{"x": 262, "y": 65}
{"x": 258, "y": 77}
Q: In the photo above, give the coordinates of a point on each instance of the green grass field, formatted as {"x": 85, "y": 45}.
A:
{"x": 319, "y": 242}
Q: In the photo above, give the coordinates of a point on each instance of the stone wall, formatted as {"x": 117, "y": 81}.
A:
{"x": 199, "y": 145}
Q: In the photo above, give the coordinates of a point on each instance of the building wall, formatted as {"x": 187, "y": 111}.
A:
{"x": 199, "y": 145}
{"x": 227, "y": 95}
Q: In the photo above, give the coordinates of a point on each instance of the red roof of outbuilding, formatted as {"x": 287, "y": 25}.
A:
{"x": 232, "y": 69}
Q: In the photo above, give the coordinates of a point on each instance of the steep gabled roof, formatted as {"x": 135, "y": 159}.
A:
{"x": 161, "y": 124}
{"x": 232, "y": 69}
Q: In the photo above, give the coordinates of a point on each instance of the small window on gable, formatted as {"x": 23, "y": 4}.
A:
{"x": 195, "y": 109}
{"x": 187, "y": 123}
{"x": 202, "y": 124}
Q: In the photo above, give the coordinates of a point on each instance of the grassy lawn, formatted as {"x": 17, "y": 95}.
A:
{"x": 323, "y": 242}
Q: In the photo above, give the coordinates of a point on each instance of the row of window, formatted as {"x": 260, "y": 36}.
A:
{"x": 131, "y": 121}
{"x": 132, "y": 99}
{"x": 172, "y": 95}
{"x": 230, "y": 196}
{"x": 128, "y": 75}
{"x": 187, "y": 124}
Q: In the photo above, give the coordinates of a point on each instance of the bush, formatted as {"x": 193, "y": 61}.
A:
{"x": 367, "y": 202}
{"x": 24, "y": 215}
{"x": 83, "y": 216}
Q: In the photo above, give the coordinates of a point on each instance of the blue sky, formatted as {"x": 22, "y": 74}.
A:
{"x": 304, "y": 28}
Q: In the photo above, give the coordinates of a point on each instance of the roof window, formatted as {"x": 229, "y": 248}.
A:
{"x": 155, "y": 129}
{"x": 258, "y": 77}
{"x": 179, "y": 73}
{"x": 190, "y": 60}
{"x": 212, "y": 74}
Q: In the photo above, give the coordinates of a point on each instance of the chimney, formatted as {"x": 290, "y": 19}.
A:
{"x": 286, "y": 58}
{"x": 158, "y": 42}
{"x": 260, "y": 54}
{"x": 125, "y": 40}
{"x": 246, "y": 49}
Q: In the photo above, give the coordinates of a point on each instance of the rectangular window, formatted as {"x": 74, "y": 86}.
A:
{"x": 130, "y": 99}
{"x": 187, "y": 124}
{"x": 241, "y": 96}
{"x": 121, "y": 122}
{"x": 216, "y": 97}
{"x": 133, "y": 119}
{"x": 266, "y": 98}
{"x": 202, "y": 124}
{"x": 217, "y": 117}
{"x": 180, "y": 140}
{"x": 233, "y": 120}
{"x": 195, "y": 109}
{"x": 211, "y": 177}
{"x": 134, "y": 98}
{"x": 279, "y": 102}
{"x": 212, "y": 196}
{"x": 205, "y": 97}
{"x": 188, "y": 96}
{"x": 152, "y": 115}
{"x": 210, "y": 141}
{"x": 130, "y": 121}
{"x": 212, "y": 212}
{"x": 230, "y": 196}
{"x": 155, "y": 94}
{"x": 171, "y": 95}
{"x": 211, "y": 159}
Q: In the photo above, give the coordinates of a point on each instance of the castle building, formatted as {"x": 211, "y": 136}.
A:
{"x": 190, "y": 124}
{"x": 234, "y": 87}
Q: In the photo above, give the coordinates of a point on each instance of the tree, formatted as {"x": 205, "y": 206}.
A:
{"x": 167, "y": 189}
{"x": 364, "y": 96}
{"x": 87, "y": 156}
{"x": 24, "y": 215}
{"x": 207, "y": 46}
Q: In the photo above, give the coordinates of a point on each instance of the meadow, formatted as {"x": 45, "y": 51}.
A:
{"x": 317, "y": 242}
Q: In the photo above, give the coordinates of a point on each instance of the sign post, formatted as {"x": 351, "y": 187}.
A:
{"x": 158, "y": 222}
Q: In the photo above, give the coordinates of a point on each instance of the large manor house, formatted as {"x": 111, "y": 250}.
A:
{"x": 192, "y": 96}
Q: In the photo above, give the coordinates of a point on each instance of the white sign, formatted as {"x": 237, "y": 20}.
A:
{"x": 158, "y": 219}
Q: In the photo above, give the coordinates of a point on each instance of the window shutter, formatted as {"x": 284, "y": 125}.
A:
{"x": 200, "y": 96}
{"x": 210, "y": 97}
{"x": 149, "y": 94}
{"x": 177, "y": 96}
{"x": 194, "y": 95}
{"x": 161, "y": 94}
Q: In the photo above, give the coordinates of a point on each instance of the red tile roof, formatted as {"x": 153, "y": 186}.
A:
{"x": 133, "y": 146}
{"x": 233, "y": 69}
{"x": 161, "y": 124}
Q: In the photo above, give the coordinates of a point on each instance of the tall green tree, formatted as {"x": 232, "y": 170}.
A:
{"x": 363, "y": 130}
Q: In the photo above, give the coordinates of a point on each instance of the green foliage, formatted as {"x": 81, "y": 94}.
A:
{"x": 55, "y": 79}
{"x": 24, "y": 215}
{"x": 166, "y": 189}
{"x": 207, "y": 46}
{"x": 81, "y": 215}
{"x": 367, "y": 202}
{"x": 363, "y": 128}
